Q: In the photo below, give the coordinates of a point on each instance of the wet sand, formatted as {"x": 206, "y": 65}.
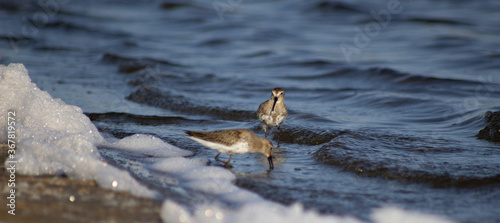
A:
{"x": 48, "y": 199}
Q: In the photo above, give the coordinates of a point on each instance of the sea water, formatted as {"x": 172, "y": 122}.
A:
{"x": 385, "y": 98}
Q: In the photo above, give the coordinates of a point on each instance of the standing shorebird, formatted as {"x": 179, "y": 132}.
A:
{"x": 273, "y": 112}
{"x": 234, "y": 141}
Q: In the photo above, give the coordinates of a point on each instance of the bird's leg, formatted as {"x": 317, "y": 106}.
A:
{"x": 279, "y": 131}
{"x": 228, "y": 165}
{"x": 217, "y": 158}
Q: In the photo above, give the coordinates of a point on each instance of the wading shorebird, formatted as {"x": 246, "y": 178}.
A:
{"x": 273, "y": 112}
{"x": 234, "y": 141}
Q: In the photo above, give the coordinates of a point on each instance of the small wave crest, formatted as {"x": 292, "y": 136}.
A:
{"x": 437, "y": 20}
{"x": 155, "y": 97}
{"x": 131, "y": 65}
{"x": 120, "y": 117}
{"x": 387, "y": 79}
{"x": 406, "y": 159}
{"x": 382, "y": 74}
{"x": 338, "y": 6}
{"x": 299, "y": 135}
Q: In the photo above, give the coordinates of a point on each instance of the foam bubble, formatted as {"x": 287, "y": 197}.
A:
{"x": 397, "y": 215}
{"x": 71, "y": 155}
{"x": 194, "y": 175}
{"x": 205, "y": 172}
{"x": 212, "y": 186}
{"x": 173, "y": 212}
{"x": 116, "y": 179}
{"x": 149, "y": 145}
{"x": 240, "y": 197}
{"x": 177, "y": 165}
{"x": 257, "y": 211}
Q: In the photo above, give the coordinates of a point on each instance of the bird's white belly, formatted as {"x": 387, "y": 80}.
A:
{"x": 237, "y": 148}
{"x": 280, "y": 119}
{"x": 267, "y": 119}
{"x": 270, "y": 121}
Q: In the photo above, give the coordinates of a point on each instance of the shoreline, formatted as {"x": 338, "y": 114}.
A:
{"x": 60, "y": 199}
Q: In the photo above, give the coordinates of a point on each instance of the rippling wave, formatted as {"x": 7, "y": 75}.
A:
{"x": 179, "y": 103}
{"x": 410, "y": 159}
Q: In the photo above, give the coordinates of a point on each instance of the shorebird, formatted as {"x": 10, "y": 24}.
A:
{"x": 234, "y": 141}
{"x": 273, "y": 112}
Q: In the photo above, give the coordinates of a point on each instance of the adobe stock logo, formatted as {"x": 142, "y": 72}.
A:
{"x": 372, "y": 29}
{"x": 40, "y": 19}
{"x": 223, "y": 6}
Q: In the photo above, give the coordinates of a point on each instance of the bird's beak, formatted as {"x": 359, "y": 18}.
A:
{"x": 274, "y": 104}
{"x": 270, "y": 159}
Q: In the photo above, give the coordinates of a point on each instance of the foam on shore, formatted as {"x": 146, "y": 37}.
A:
{"x": 54, "y": 138}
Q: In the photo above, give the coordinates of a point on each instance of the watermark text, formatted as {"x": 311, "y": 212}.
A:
{"x": 11, "y": 161}
{"x": 364, "y": 35}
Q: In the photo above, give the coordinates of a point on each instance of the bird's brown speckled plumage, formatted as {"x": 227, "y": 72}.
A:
{"x": 273, "y": 112}
{"x": 233, "y": 141}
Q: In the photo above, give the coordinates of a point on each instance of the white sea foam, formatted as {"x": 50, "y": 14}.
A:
{"x": 148, "y": 145}
{"x": 256, "y": 211}
{"x": 56, "y": 138}
{"x": 177, "y": 165}
{"x": 266, "y": 211}
{"x": 397, "y": 215}
{"x": 193, "y": 174}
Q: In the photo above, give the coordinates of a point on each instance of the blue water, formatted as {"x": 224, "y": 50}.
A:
{"x": 385, "y": 97}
